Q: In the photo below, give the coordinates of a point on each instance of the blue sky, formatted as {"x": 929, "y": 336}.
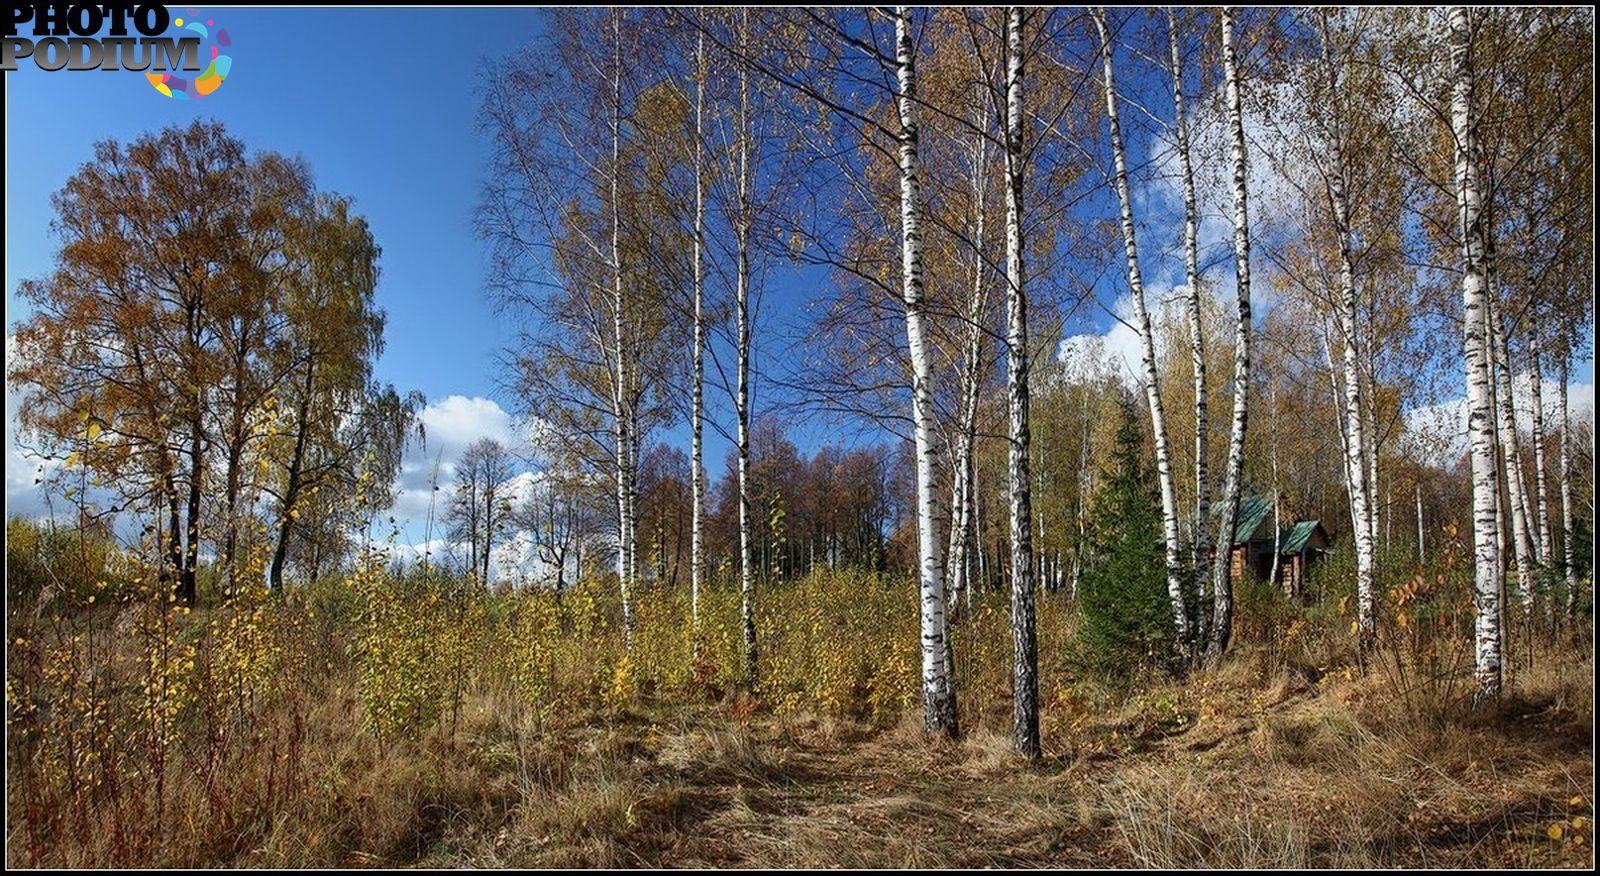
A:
{"x": 383, "y": 103}
{"x": 339, "y": 88}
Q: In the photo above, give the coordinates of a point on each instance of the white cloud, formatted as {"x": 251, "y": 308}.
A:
{"x": 514, "y": 557}
{"x": 1437, "y": 433}
{"x": 24, "y": 469}
{"x": 455, "y": 421}
{"x": 449, "y": 426}
{"x": 1118, "y": 347}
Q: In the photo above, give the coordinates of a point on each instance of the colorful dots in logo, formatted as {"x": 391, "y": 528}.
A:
{"x": 213, "y": 41}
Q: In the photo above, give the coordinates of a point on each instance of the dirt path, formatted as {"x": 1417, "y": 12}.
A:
{"x": 1290, "y": 778}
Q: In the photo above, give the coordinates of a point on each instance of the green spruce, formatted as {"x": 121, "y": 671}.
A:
{"x": 1126, "y": 620}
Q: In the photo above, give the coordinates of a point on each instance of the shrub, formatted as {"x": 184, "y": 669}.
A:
{"x": 1126, "y": 614}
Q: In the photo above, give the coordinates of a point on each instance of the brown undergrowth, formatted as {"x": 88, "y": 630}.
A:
{"x": 1230, "y": 769}
{"x": 1285, "y": 755}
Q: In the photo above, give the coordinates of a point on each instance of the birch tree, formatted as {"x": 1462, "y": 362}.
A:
{"x": 1141, "y": 319}
{"x": 697, "y": 470}
{"x": 741, "y": 229}
{"x": 1569, "y": 564}
{"x": 1201, "y": 537}
{"x": 962, "y": 530}
{"x": 587, "y": 237}
{"x": 1480, "y": 428}
{"x": 938, "y": 702}
{"x": 1510, "y": 451}
{"x": 1024, "y": 645}
{"x": 627, "y": 533}
{"x": 1355, "y": 417}
{"x": 1222, "y": 588}
{"x": 1541, "y": 485}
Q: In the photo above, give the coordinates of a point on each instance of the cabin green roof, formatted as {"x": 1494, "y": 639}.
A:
{"x": 1252, "y": 510}
{"x": 1293, "y": 540}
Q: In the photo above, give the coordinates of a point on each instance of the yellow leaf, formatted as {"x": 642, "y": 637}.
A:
{"x": 1554, "y": 832}
{"x": 93, "y": 431}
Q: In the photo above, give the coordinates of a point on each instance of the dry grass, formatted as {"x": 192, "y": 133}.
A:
{"x": 1234, "y": 769}
{"x": 1290, "y": 774}
{"x": 1262, "y": 763}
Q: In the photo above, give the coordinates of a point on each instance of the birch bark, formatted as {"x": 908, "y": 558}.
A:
{"x": 1024, "y": 646}
{"x": 938, "y": 704}
{"x": 1541, "y": 486}
{"x": 742, "y": 402}
{"x": 697, "y": 450}
{"x": 1511, "y": 453}
{"x": 1197, "y": 341}
{"x": 961, "y": 538}
{"x": 621, "y": 392}
{"x": 1480, "y": 428}
{"x": 1355, "y": 417}
{"x": 1569, "y": 566}
{"x": 1141, "y": 319}
{"x": 1222, "y": 587}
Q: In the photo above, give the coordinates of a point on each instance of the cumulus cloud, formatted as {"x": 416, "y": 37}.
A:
{"x": 1437, "y": 433}
{"x": 1118, "y": 347}
{"x": 449, "y": 426}
{"x": 25, "y": 469}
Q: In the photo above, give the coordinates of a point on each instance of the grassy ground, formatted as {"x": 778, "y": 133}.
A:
{"x": 371, "y": 724}
{"x": 1231, "y": 769}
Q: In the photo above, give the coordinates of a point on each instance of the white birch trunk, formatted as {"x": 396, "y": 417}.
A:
{"x": 1024, "y": 645}
{"x": 953, "y": 533}
{"x": 1569, "y": 566}
{"x": 1480, "y": 426}
{"x": 697, "y": 450}
{"x": 1197, "y": 340}
{"x": 1502, "y": 540}
{"x": 627, "y": 545}
{"x": 1222, "y": 587}
{"x": 742, "y": 403}
{"x": 1141, "y": 318}
{"x": 938, "y": 703}
{"x": 961, "y": 529}
{"x": 1369, "y": 397}
{"x": 1511, "y": 454}
{"x": 1355, "y": 434}
{"x": 977, "y": 533}
{"x": 1543, "y": 544}
{"x": 1344, "y": 433}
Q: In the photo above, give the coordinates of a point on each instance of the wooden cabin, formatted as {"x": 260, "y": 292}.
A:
{"x": 1298, "y": 546}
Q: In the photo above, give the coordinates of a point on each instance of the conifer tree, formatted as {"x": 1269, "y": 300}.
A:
{"x": 1126, "y": 617}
